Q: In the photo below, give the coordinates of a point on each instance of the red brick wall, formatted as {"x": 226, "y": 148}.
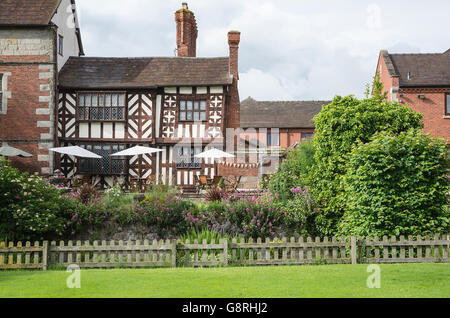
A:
{"x": 432, "y": 108}
{"x": 19, "y": 126}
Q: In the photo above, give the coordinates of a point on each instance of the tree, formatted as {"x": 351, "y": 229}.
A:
{"x": 293, "y": 170}
{"x": 397, "y": 185}
{"x": 339, "y": 126}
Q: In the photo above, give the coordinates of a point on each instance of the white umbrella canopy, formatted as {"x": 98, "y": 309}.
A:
{"x": 76, "y": 151}
{"x": 9, "y": 151}
{"x": 135, "y": 151}
{"x": 214, "y": 154}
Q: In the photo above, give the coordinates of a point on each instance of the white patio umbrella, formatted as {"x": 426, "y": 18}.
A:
{"x": 137, "y": 151}
{"x": 76, "y": 152}
{"x": 9, "y": 151}
{"x": 213, "y": 154}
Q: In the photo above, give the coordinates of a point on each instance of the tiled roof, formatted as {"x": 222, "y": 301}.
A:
{"x": 424, "y": 69}
{"x": 149, "y": 72}
{"x": 279, "y": 114}
{"x": 27, "y": 12}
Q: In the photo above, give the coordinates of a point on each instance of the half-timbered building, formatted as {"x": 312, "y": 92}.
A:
{"x": 181, "y": 105}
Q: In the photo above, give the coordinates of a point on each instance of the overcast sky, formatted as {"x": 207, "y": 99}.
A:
{"x": 290, "y": 49}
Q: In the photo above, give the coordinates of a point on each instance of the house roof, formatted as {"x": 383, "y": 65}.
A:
{"x": 26, "y": 12}
{"x": 279, "y": 114}
{"x": 146, "y": 72}
{"x": 424, "y": 69}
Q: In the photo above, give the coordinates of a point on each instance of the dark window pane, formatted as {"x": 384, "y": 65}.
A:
{"x": 448, "y": 104}
{"x": 107, "y": 113}
{"x": 120, "y": 115}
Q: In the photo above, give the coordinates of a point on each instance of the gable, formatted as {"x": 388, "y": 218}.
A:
{"x": 26, "y": 12}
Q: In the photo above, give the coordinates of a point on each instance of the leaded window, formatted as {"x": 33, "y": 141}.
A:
{"x": 185, "y": 157}
{"x": 193, "y": 110}
{"x": 101, "y": 106}
{"x": 107, "y": 165}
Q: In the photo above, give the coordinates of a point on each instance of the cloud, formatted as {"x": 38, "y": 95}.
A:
{"x": 294, "y": 49}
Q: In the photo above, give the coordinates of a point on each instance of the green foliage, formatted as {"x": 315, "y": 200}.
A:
{"x": 256, "y": 216}
{"x": 300, "y": 212}
{"x": 293, "y": 171}
{"x": 397, "y": 185}
{"x": 30, "y": 208}
{"x": 339, "y": 126}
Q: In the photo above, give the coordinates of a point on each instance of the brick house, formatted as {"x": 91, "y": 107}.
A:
{"x": 422, "y": 81}
{"x": 267, "y": 130}
{"x": 36, "y": 38}
{"x": 181, "y": 105}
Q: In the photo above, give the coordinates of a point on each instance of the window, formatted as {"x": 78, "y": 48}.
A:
{"x": 193, "y": 110}
{"x": 273, "y": 139}
{"x": 447, "y": 104}
{"x": 307, "y": 135}
{"x": 185, "y": 157}
{"x": 1, "y": 92}
{"x": 106, "y": 166}
{"x": 101, "y": 106}
{"x": 60, "y": 45}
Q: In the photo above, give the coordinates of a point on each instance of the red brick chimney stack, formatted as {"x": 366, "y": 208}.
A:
{"x": 234, "y": 37}
{"x": 186, "y": 32}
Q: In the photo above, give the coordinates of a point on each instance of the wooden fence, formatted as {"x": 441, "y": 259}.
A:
{"x": 172, "y": 253}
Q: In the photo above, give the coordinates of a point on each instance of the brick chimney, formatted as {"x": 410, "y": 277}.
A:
{"x": 234, "y": 37}
{"x": 186, "y": 32}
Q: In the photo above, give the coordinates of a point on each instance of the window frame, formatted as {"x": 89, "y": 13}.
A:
{"x": 194, "y": 163}
{"x": 270, "y": 139}
{"x": 92, "y": 162}
{"x": 447, "y": 104}
{"x": 192, "y": 111}
{"x": 1, "y": 93}
{"x": 60, "y": 45}
{"x": 104, "y": 94}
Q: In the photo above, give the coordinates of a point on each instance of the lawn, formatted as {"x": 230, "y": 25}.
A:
{"x": 397, "y": 280}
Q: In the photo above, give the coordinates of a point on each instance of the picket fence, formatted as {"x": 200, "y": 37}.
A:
{"x": 173, "y": 253}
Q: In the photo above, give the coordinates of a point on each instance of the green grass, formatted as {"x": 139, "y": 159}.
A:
{"x": 397, "y": 280}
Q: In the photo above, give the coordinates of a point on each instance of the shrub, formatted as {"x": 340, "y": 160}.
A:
{"x": 339, "y": 126}
{"x": 256, "y": 216}
{"x": 30, "y": 208}
{"x": 397, "y": 185}
{"x": 299, "y": 212}
{"x": 214, "y": 194}
{"x": 168, "y": 214}
{"x": 293, "y": 170}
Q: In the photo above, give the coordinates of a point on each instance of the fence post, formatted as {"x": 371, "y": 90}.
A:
{"x": 174, "y": 253}
{"x": 225, "y": 252}
{"x": 45, "y": 256}
{"x": 353, "y": 249}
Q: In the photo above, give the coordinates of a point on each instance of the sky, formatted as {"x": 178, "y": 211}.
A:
{"x": 289, "y": 50}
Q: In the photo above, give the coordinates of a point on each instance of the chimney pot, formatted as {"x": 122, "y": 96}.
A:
{"x": 187, "y": 32}
{"x": 234, "y": 38}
